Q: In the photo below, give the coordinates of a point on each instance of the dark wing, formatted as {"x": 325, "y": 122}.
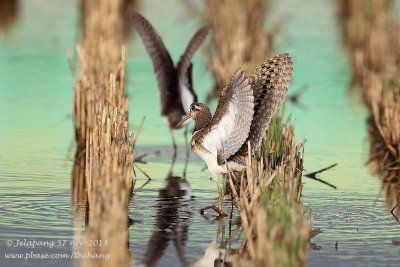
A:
{"x": 184, "y": 67}
{"x": 270, "y": 84}
{"x": 230, "y": 126}
{"x": 162, "y": 63}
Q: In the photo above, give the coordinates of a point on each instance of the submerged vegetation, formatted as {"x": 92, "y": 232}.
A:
{"x": 269, "y": 193}
{"x": 268, "y": 202}
{"x": 372, "y": 35}
{"x": 101, "y": 129}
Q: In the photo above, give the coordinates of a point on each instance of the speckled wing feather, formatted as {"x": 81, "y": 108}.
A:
{"x": 270, "y": 84}
{"x": 186, "y": 92}
{"x": 162, "y": 63}
{"x": 230, "y": 125}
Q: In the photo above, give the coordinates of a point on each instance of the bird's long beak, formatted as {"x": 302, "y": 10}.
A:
{"x": 182, "y": 121}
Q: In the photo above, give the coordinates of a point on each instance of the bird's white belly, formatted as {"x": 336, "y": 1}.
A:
{"x": 212, "y": 163}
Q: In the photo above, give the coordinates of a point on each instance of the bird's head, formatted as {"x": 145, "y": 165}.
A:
{"x": 200, "y": 113}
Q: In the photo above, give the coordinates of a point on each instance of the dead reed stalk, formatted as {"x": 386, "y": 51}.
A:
{"x": 269, "y": 204}
{"x": 372, "y": 35}
{"x": 238, "y": 39}
{"x": 101, "y": 129}
{"x": 125, "y": 9}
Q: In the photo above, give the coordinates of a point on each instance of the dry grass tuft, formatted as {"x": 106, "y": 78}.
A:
{"x": 238, "y": 37}
{"x": 269, "y": 204}
{"x": 101, "y": 129}
{"x": 372, "y": 34}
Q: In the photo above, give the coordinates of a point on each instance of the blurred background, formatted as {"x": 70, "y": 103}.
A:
{"x": 37, "y": 64}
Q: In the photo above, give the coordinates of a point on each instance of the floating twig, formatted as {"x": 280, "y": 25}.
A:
{"x": 315, "y": 232}
{"x": 138, "y": 130}
{"x": 145, "y": 174}
{"x": 313, "y": 175}
{"x": 392, "y": 212}
{"x": 139, "y": 159}
{"x": 215, "y": 208}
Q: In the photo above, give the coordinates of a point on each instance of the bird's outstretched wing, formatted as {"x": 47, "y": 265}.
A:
{"x": 230, "y": 125}
{"x": 162, "y": 63}
{"x": 270, "y": 84}
{"x": 184, "y": 67}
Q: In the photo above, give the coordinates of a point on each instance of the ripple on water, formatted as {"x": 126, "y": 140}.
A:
{"x": 35, "y": 215}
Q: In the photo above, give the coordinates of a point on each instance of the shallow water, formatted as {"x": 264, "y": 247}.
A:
{"x": 36, "y": 134}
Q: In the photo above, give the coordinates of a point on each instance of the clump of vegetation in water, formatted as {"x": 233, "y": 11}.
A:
{"x": 371, "y": 33}
{"x": 102, "y": 132}
{"x": 269, "y": 203}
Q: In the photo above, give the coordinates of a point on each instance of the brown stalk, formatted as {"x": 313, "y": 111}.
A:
{"x": 102, "y": 133}
{"x": 371, "y": 34}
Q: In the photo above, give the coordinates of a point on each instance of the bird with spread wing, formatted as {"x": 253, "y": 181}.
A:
{"x": 174, "y": 82}
{"x": 245, "y": 108}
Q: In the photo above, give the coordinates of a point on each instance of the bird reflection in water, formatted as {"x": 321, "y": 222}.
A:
{"x": 213, "y": 256}
{"x": 174, "y": 210}
{"x": 222, "y": 254}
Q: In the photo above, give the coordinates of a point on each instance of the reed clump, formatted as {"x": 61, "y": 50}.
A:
{"x": 101, "y": 130}
{"x": 269, "y": 193}
{"x": 269, "y": 203}
{"x": 372, "y": 33}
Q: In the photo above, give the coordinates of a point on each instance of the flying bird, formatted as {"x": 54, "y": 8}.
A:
{"x": 174, "y": 82}
{"x": 245, "y": 108}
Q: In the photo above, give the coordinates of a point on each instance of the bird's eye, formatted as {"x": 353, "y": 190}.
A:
{"x": 192, "y": 107}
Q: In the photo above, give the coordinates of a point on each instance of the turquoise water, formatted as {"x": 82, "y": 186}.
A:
{"x": 36, "y": 133}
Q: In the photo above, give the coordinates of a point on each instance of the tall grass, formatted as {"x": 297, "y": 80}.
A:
{"x": 270, "y": 190}
{"x": 372, "y": 33}
{"x": 269, "y": 203}
{"x": 101, "y": 130}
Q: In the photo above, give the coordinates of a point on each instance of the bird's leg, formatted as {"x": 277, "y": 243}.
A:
{"x": 221, "y": 192}
{"x": 187, "y": 151}
{"x": 186, "y": 142}
{"x": 173, "y": 144}
{"x": 171, "y": 167}
{"x": 220, "y": 189}
{"x": 218, "y": 208}
{"x": 175, "y": 150}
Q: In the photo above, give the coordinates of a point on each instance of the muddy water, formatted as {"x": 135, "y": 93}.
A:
{"x": 36, "y": 133}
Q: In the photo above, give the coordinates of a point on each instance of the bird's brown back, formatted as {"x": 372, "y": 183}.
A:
{"x": 270, "y": 84}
